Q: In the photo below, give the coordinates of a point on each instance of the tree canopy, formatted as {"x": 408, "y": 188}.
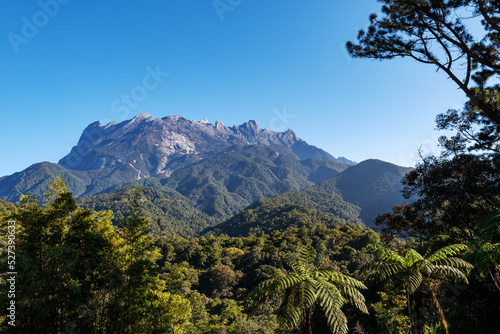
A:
{"x": 442, "y": 34}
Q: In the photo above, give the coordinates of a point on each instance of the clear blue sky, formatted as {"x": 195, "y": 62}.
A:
{"x": 64, "y": 67}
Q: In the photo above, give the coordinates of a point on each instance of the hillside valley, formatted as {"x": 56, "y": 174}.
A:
{"x": 197, "y": 175}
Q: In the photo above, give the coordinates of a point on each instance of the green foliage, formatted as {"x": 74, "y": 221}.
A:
{"x": 76, "y": 273}
{"x": 306, "y": 288}
{"x": 389, "y": 310}
{"x": 6, "y": 207}
{"x": 228, "y": 268}
{"x": 168, "y": 215}
{"x": 437, "y": 33}
{"x": 267, "y": 216}
{"x": 415, "y": 270}
{"x": 453, "y": 194}
{"x": 413, "y": 267}
{"x": 229, "y": 182}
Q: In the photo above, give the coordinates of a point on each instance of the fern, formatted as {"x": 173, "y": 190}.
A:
{"x": 304, "y": 289}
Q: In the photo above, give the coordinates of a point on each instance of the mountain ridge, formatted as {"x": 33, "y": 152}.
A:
{"x": 213, "y": 171}
{"x": 172, "y": 143}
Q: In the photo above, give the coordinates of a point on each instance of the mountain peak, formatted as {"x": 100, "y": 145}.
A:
{"x": 149, "y": 147}
{"x": 142, "y": 116}
{"x": 173, "y": 118}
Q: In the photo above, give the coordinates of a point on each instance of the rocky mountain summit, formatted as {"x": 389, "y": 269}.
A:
{"x": 158, "y": 147}
{"x": 212, "y": 170}
{"x": 219, "y": 168}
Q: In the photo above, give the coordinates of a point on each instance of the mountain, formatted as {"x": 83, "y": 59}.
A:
{"x": 227, "y": 183}
{"x": 356, "y": 195}
{"x": 149, "y": 147}
{"x": 145, "y": 150}
{"x": 374, "y": 185}
{"x": 33, "y": 180}
{"x": 168, "y": 216}
{"x": 212, "y": 172}
{"x": 266, "y": 216}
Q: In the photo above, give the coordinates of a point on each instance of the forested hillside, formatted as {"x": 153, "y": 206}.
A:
{"x": 171, "y": 225}
{"x": 167, "y": 215}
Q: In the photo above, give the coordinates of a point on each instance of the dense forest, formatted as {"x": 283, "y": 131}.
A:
{"x": 290, "y": 263}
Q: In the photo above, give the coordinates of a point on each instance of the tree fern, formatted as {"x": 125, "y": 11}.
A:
{"x": 415, "y": 269}
{"x": 306, "y": 288}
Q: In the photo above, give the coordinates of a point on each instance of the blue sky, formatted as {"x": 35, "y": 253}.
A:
{"x": 67, "y": 63}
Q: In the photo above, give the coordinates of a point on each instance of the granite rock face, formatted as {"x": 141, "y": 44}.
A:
{"x": 158, "y": 147}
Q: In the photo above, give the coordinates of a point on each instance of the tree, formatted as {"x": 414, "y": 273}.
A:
{"x": 308, "y": 287}
{"x": 141, "y": 305}
{"x": 416, "y": 270}
{"x": 485, "y": 251}
{"x": 453, "y": 194}
{"x": 75, "y": 273}
{"x": 436, "y": 32}
{"x": 65, "y": 259}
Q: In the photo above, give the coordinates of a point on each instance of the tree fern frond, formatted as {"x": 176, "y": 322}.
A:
{"x": 448, "y": 272}
{"x": 336, "y": 320}
{"x": 289, "y": 316}
{"x": 341, "y": 279}
{"x": 414, "y": 281}
{"x": 307, "y": 254}
{"x": 329, "y": 296}
{"x": 447, "y": 251}
{"x": 382, "y": 271}
{"x": 354, "y": 297}
{"x": 455, "y": 262}
{"x": 307, "y": 293}
{"x": 385, "y": 254}
{"x": 411, "y": 257}
{"x": 272, "y": 286}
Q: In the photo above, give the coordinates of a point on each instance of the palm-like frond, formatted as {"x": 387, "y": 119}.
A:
{"x": 329, "y": 296}
{"x": 306, "y": 293}
{"x": 348, "y": 287}
{"x": 446, "y": 252}
{"x": 303, "y": 289}
{"x": 455, "y": 262}
{"x": 340, "y": 279}
{"x": 449, "y": 272}
{"x": 440, "y": 264}
{"x": 276, "y": 285}
{"x": 385, "y": 254}
{"x": 382, "y": 270}
{"x": 411, "y": 257}
{"x": 337, "y": 321}
{"x": 414, "y": 281}
{"x": 307, "y": 255}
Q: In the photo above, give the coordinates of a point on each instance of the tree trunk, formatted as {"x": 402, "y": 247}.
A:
{"x": 306, "y": 321}
{"x": 440, "y": 311}
{"x": 495, "y": 275}
{"x": 419, "y": 312}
